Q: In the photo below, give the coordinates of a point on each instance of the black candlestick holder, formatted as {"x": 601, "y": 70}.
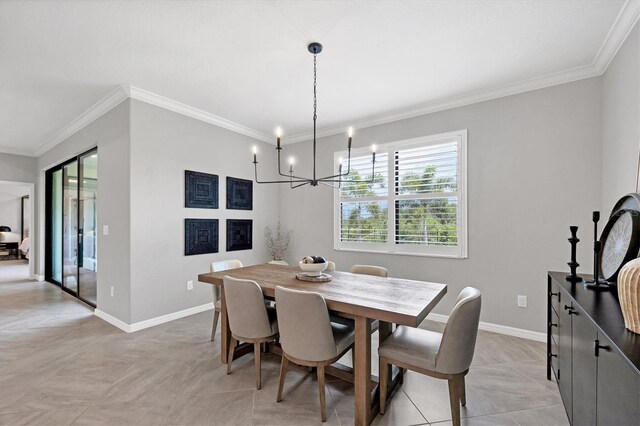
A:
{"x": 573, "y": 264}
{"x": 597, "y": 283}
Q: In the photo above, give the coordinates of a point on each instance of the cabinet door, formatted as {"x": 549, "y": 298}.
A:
{"x": 618, "y": 401}
{"x": 584, "y": 335}
{"x": 564, "y": 360}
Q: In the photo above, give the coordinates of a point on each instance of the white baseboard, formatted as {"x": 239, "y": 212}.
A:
{"x": 38, "y": 277}
{"x": 141, "y": 325}
{"x": 500, "y": 329}
{"x": 112, "y": 320}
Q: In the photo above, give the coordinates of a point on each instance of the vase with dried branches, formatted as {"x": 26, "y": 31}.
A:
{"x": 278, "y": 242}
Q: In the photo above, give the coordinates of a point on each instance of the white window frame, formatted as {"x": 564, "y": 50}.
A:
{"x": 459, "y": 251}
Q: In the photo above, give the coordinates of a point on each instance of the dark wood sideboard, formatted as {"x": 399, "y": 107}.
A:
{"x": 594, "y": 358}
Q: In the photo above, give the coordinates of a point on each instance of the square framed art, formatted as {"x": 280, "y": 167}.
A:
{"x": 200, "y": 236}
{"x": 239, "y": 194}
{"x": 200, "y": 190}
{"x": 239, "y": 234}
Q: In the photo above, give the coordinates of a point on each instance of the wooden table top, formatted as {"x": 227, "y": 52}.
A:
{"x": 392, "y": 300}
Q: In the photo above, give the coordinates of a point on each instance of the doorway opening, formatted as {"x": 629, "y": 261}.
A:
{"x": 16, "y": 224}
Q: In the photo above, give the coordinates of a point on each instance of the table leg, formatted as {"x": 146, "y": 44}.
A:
{"x": 362, "y": 372}
{"x": 225, "y": 331}
{"x": 384, "y": 331}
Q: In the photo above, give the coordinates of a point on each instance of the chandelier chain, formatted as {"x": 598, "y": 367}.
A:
{"x": 315, "y": 85}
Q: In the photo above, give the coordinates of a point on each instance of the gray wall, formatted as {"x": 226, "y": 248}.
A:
{"x": 11, "y": 210}
{"x": 534, "y": 168}
{"x": 110, "y": 133}
{"x": 163, "y": 145}
{"x": 621, "y": 122}
{"x": 18, "y": 168}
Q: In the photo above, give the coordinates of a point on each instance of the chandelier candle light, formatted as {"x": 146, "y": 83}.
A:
{"x": 333, "y": 181}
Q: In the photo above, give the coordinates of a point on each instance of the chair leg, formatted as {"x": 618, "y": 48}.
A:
{"x": 383, "y": 377}
{"x": 462, "y": 390}
{"x": 256, "y": 351}
{"x": 283, "y": 373}
{"x": 214, "y": 326}
{"x": 353, "y": 358}
{"x": 232, "y": 347}
{"x": 323, "y": 404}
{"x": 454, "y": 399}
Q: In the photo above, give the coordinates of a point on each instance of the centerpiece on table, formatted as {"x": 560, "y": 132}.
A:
{"x": 312, "y": 267}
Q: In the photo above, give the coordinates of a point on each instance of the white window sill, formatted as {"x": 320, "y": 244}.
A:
{"x": 400, "y": 253}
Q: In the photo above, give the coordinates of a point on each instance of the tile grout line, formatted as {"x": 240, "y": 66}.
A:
{"x": 414, "y": 404}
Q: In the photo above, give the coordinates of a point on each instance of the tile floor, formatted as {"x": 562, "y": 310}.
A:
{"x": 59, "y": 365}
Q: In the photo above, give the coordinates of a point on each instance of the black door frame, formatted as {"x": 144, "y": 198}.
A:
{"x": 48, "y": 261}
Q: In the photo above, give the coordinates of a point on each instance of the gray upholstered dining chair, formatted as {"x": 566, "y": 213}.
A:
{"x": 219, "y": 266}
{"x": 446, "y": 355}
{"x": 308, "y": 337}
{"x": 250, "y": 320}
{"x": 377, "y": 271}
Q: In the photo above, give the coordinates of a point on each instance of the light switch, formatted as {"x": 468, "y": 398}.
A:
{"x": 105, "y": 229}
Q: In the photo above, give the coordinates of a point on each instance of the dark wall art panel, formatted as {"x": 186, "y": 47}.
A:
{"x": 200, "y": 236}
{"x": 239, "y": 234}
{"x": 239, "y": 194}
{"x": 200, "y": 190}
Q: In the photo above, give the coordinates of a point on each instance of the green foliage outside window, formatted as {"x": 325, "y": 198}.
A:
{"x": 430, "y": 221}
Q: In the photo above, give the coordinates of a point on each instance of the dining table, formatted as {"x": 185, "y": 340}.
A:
{"x": 361, "y": 298}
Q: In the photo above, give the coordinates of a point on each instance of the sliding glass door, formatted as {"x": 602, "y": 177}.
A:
{"x": 71, "y": 205}
{"x": 70, "y": 227}
{"x": 88, "y": 226}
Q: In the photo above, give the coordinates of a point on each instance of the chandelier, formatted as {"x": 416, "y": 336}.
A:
{"x": 295, "y": 181}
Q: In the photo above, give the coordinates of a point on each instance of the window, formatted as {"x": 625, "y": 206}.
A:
{"x": 414, "y": 203}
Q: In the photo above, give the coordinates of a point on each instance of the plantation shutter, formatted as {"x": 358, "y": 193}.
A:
{"x": 426, "y": 200}
{"x": 415, "y": 204}
{"x": 363, "y": 201}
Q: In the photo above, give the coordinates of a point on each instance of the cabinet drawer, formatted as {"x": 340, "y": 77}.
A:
{"x": 554, "y": 325}
{"x": 556, "y": 296}
{"x": 553, "y": 356}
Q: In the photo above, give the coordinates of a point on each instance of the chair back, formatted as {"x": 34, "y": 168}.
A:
{"x": 224, "y": 265}
{"x": 377, "y": 271}
{"x": 305, "y": 328}
{"x": 459, "y": 337}
{"x": 245, "y": 306}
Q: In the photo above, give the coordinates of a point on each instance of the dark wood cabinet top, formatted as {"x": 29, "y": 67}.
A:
{"x": 603, "y": 308}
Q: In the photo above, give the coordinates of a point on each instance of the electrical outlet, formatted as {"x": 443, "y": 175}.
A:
{"x": 189, "y": 285}
{"x": 105, "y": 229}
{"x": 112, "y": 291}
{"x": 522, "y": 301}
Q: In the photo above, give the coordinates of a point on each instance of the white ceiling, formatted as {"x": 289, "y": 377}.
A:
{"x": 247, "y": 61}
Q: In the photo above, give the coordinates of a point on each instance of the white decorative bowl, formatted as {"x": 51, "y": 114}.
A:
{"x": 313, "y": 269}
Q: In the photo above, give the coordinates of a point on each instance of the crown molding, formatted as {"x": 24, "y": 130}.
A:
{"x": 548, "y": 80}
{"x": 101, "y": 107}
{"x": 620, "y": 30}
{"x": 198, "y": 114}
{"x": 114, "y": 98}
{"x": 16, "y": 151}
{"x": 617, "y": 35}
